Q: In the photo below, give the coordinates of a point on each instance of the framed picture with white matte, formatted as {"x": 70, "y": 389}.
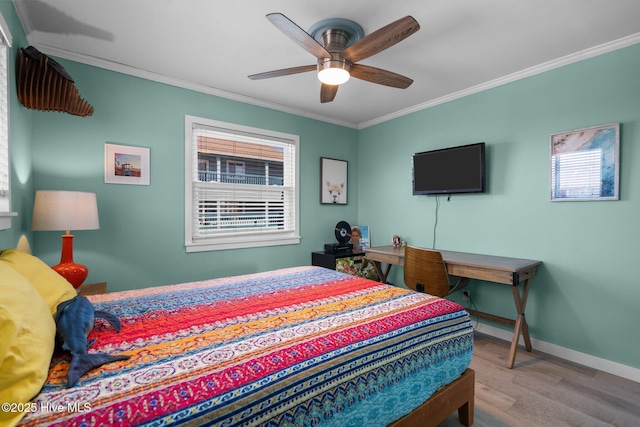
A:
{"x": 333, "y": 181}
{"x": 124, "y": 164}
{"x": 585, "y": 164}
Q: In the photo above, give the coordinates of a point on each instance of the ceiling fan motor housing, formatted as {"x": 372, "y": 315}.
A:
{"x": 335, "y": 41}
{"x": 336, "y": 61}
{"x": 339, "y": 45}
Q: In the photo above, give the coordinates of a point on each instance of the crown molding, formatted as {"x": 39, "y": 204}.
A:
{"x": 150, "y": 75}
{"x": 23, "y": 15}
{"x": 153, "y": 76}
{"x": 532, "y": 71}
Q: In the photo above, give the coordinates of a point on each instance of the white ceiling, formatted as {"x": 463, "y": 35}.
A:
{"x": 463, "y": 46}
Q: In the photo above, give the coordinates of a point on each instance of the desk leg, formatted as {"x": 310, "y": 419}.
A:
{"x": 521, "y": 326}
{"x": 381, "y": 274}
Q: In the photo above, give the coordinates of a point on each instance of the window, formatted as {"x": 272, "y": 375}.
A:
{"x": 235, "y": 170}
{"x": 241, "y": 186}
{"x": 5, "y": 169}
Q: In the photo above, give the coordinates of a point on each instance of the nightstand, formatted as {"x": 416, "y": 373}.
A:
{"x": 92, "y": 289}
{"x": 350, "y": 262}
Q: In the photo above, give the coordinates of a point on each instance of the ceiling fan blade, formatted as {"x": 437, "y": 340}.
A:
{"x": 379, "y": 76}
{"x": 284, "y": 72}
{"x": 328, "y": 92}
{"x": 298, "y": 35}
{"x": 381, "y": 39}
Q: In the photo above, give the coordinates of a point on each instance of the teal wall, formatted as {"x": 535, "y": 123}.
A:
{"x": 141, "y": 239}
{"x": 583, "y": 298}
{"x": 586, "y": 295}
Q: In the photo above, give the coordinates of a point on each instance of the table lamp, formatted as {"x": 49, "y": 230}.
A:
{"x": 65, "y": 211}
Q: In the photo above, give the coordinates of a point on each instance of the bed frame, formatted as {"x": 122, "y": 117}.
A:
{"x": 455, "y": 396}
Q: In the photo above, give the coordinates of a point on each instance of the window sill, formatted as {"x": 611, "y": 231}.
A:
{"x": 5, "y": 219}
{"x": 209, "y": 246}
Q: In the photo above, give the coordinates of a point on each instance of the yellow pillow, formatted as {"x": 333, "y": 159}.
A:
{"x": 50, "y": 285}
{"x": 27, "y": 339}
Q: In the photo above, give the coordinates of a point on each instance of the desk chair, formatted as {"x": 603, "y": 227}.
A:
{"x": 425, "y": 271}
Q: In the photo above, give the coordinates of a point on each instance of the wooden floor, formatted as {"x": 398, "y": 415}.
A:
{"x": 543, "y": 390}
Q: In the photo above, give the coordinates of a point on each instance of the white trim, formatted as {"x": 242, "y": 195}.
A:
{"x": 519, "y": 75}
{"x": 23, "y": 15}
{"x": 152, "y": 76}
{"x": 194, "y": 247}
{"x": 5, "y": 219}
{"x": 237, "y": 241}
{"x": 5, "y": 196}
{"x": 4, "y": 31}
{"x": 149, "y": 75}
{"x": 594, "y": 362}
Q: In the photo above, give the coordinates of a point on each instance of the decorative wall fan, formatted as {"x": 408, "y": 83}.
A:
{"x": 43, "y": 84}
{"x": 339, "y": 44}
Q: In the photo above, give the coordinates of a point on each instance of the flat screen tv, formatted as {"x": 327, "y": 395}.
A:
{"x": 452, "y": 170}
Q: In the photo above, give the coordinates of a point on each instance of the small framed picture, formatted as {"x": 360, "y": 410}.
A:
{"x": 585, "y": 164}
{"x": 333, "y": 181}
{"x": 360, "y": 236}
{"x": 126, "y": 165}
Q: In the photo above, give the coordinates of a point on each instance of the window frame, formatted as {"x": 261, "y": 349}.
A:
{"x": 5, "y": 194}
{"x": 239, "y": 240}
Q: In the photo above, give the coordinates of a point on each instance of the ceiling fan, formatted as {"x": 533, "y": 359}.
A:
{"x": 339, "y": 44}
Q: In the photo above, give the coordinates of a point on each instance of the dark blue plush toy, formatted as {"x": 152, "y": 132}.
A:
{"x": 74, "y": 321}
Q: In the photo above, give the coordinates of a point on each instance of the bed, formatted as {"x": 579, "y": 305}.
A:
{"x": 296, "y": 346}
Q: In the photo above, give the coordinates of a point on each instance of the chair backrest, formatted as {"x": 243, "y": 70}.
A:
{"x": 425, "y": 267}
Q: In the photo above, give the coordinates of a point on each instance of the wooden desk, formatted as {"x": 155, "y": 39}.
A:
{"x": 509, "y": 271}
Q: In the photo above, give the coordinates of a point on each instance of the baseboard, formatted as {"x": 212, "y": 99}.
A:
{"x": 604, "y": 365}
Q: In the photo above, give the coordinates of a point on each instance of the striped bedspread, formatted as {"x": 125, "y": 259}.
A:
{"x": 298, "y": 346}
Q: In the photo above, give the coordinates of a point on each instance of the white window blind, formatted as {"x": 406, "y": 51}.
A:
{"x": 241, "y": 186}
{"x": 577, "y": 174}
{"x": 5, "y": 166}
{"x": 4, "y": 121}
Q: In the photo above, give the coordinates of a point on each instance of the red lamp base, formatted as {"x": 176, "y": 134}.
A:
{"x": 74, "y": 273}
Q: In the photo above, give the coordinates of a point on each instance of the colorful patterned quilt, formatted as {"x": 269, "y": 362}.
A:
{"x": 299, "y": 346}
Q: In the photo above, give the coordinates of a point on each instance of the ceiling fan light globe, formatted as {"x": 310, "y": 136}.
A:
{"x": 333, "y": 76}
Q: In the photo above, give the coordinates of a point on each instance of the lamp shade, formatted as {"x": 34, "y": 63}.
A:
{"x": 65, "y": 210}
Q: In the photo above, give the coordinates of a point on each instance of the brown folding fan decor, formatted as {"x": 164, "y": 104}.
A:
{"x": 44, "y": 85}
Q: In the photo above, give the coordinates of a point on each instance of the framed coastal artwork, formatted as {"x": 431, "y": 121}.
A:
{"x": 333, "y": 181}
{"x": 585, "y": 164}
{"x": 124, "y": 164}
